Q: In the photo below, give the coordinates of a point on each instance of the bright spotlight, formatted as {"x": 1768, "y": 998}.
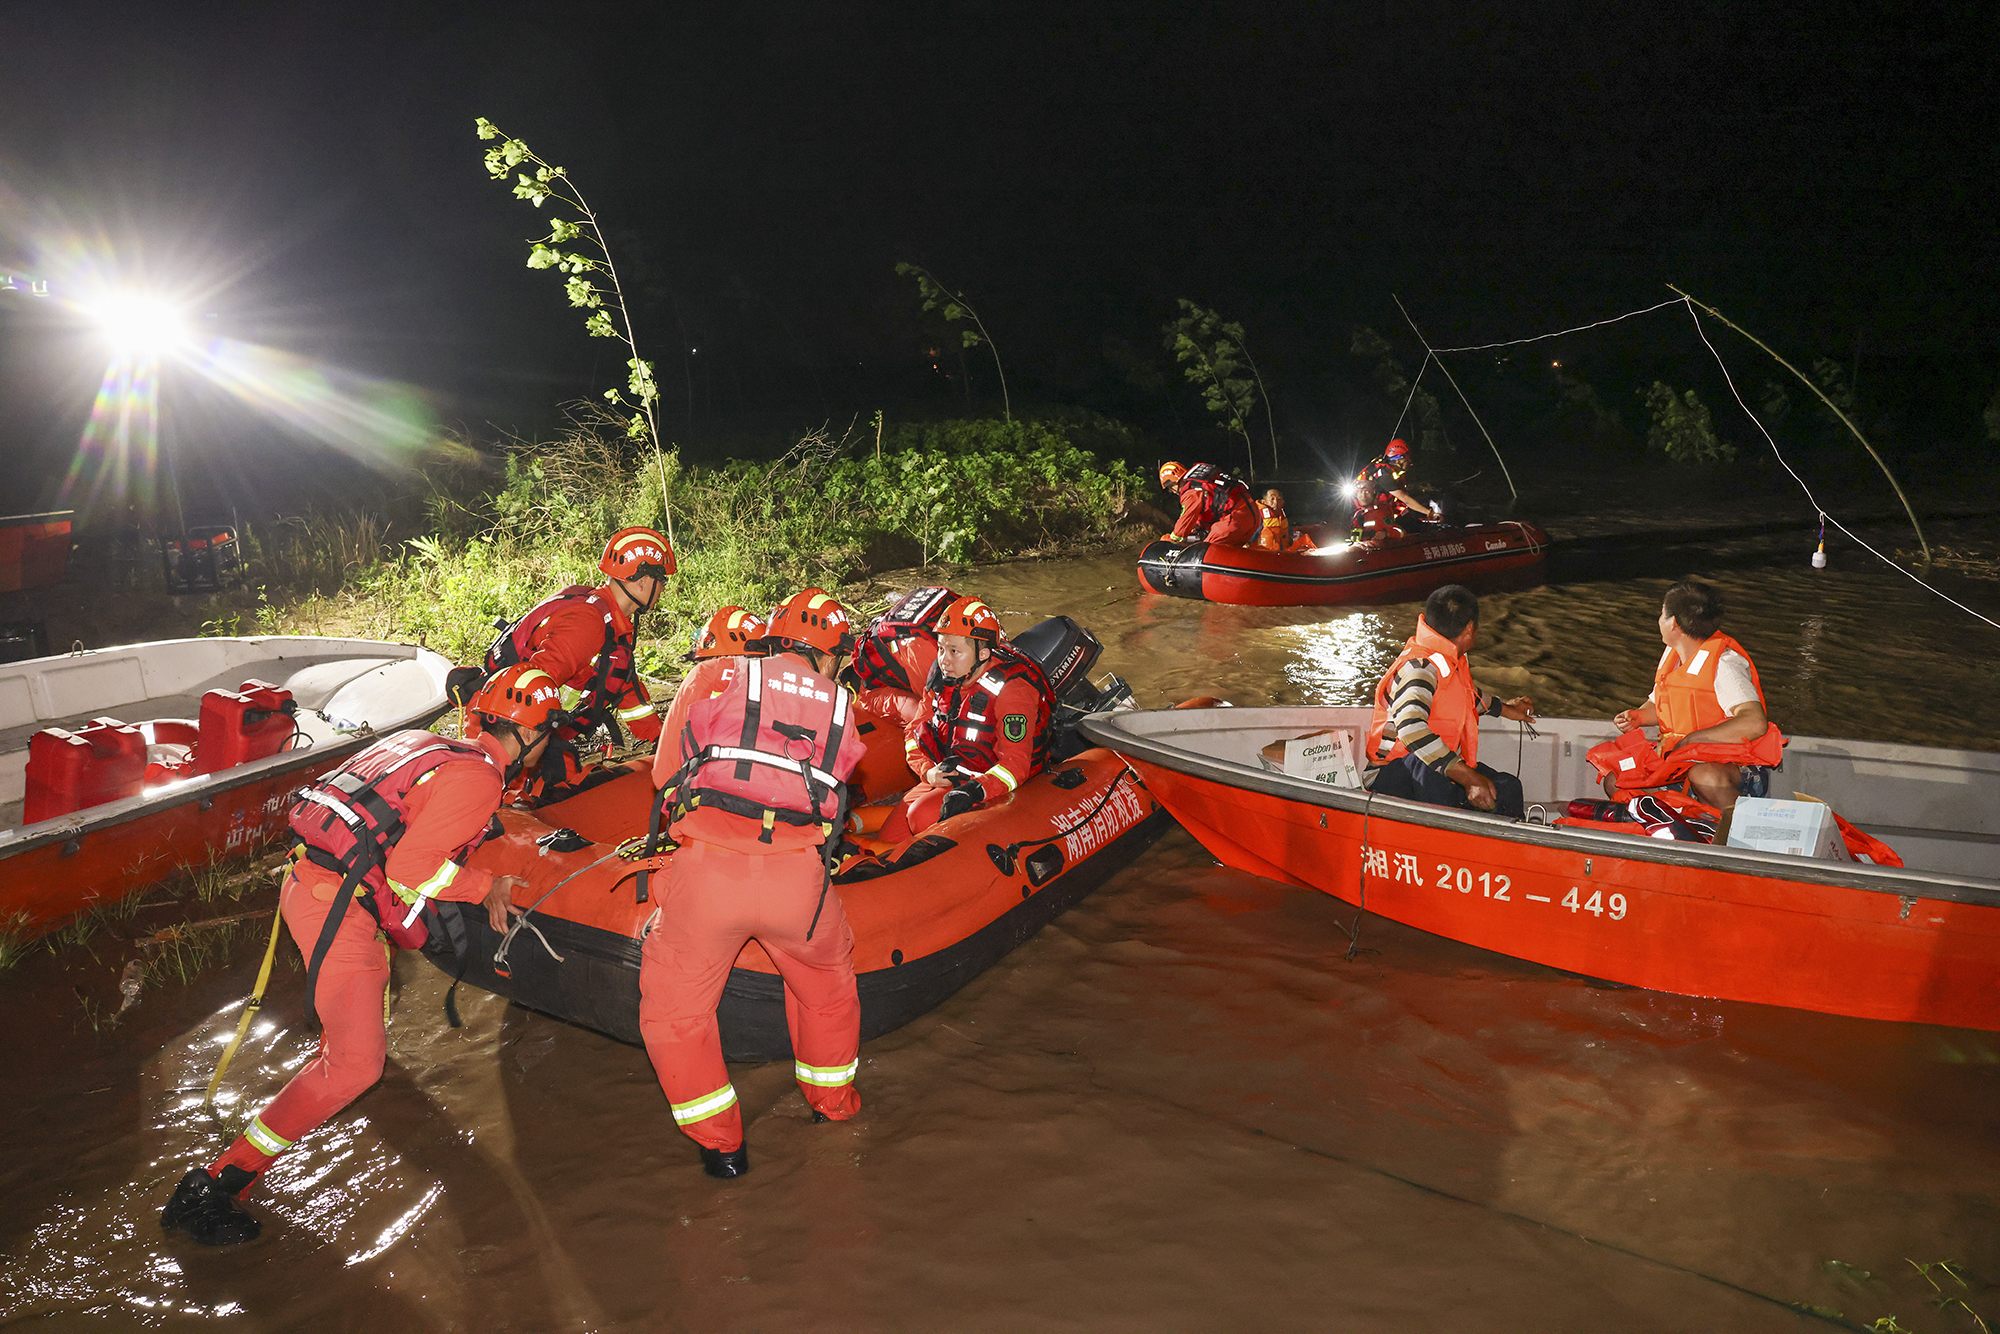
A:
{"x": 1349, "y": 490}
{"x": 140, "y": 324}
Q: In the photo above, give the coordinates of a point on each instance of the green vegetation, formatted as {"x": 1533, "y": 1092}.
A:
{"x": 582, "y": 270}
{"x": 1211, "y": 354}
{"x": 828, "y": 512}
{"x": 1683, "y": 428}
{"x": 954, "y": 307}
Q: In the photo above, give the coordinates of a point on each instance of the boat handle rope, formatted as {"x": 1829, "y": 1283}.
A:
{"x": 1004, "y": 857}
{"x": 507, "y": 940}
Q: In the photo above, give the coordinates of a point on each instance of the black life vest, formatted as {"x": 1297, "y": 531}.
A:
{"x": 1220, "y": 491}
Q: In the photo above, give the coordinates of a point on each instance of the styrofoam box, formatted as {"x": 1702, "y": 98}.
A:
{"x": 1796, "y": 828}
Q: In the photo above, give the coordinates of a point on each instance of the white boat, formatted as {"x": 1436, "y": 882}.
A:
{"x": 346, "y": 693}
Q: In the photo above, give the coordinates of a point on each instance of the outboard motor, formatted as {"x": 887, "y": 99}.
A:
{"x": 1066, "y": 652}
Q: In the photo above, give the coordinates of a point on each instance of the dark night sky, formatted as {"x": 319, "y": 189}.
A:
{"x": 1814, "y": 170}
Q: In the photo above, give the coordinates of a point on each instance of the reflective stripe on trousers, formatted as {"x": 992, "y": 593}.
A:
{"x": 707, "y": 1105}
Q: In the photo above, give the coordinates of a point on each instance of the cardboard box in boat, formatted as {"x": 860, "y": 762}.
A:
{"x": 1795, "y": 828}
{"x": 1322, "y": 757}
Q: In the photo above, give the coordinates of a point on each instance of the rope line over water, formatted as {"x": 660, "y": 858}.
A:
{"x": 1730, "y": 380}
{"x": 1682, "y": 299}
{"x": 1594, "y": 324}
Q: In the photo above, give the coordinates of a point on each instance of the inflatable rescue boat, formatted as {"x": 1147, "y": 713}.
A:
{"x": 1336, "y": 570}
{"x": 928, "y": 915}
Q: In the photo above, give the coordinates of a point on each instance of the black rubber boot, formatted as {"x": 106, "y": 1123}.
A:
{"x": 205, "y": 1208}
{"x": 725, "y": 1165}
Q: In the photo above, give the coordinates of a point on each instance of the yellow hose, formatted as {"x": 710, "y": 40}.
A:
{"x": 249, "y": 1011}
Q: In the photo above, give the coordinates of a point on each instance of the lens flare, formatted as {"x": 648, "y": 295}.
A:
{"x": 383, "y": 423}
{"x": 138, "y": 324}
{"x": 118, "y": 459}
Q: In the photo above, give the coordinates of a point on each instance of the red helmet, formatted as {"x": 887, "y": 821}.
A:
{"x": 727, "y": 634}
{"x": 1397, "y": 449}
{"x": 972, "y": 618}
{"x": 1171, "y": 474}
{"x": 634, "y": 553}
{"x": 812, "y": 617}
{"x": 520, "y": 694}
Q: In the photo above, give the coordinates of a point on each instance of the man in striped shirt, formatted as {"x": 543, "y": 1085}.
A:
{"x": 1423, "y": 743}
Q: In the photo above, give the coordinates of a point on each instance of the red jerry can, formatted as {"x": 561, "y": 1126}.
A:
{"x": 242, "y": 725}
{"x": 101, "y": 761}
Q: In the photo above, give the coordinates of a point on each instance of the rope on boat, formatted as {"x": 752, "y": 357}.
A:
{"x": 1429, "y": 357}
{"x": 514, "y": 929}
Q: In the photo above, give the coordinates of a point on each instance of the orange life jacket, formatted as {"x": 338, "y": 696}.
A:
{"x": 1684, "y": 694}
{"x": 1454, "y": 704}
{"x": 772, "y": 749}
{"x": 1639, "y": 767}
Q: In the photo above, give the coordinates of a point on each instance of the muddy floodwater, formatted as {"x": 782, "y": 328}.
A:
{"x": 1182, "y": 1106}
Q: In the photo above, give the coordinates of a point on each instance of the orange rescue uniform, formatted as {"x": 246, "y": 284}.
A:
{"x": 447, "y": 810}
{"x": 1013, "y": 759}
{"x": 733, "y": 880}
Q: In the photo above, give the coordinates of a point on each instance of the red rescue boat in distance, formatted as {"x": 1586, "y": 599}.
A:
{"x": 1337, "y": 571}
{"x": 1917, "y": 943}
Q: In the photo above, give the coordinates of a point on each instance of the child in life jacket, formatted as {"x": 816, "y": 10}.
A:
{"x": 1277, "y": 533}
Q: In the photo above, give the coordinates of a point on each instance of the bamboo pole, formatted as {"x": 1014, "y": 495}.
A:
{"x": 1461, "y": 395}
{"x": 1831, "y": 407}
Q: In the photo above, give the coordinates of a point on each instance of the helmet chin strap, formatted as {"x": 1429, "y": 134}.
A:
{"x": 659, "y": 586}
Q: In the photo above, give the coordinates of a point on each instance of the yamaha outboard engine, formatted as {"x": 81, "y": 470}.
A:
{"x": 1066, "y": 652}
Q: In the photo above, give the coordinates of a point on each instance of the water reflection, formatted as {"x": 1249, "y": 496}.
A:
{"x": 1338, "y": 661}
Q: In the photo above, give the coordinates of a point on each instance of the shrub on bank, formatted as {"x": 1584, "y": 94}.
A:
{"x": 826, "y": 513}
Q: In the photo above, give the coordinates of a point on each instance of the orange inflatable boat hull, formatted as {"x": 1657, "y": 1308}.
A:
{"x": 928, "y": 916}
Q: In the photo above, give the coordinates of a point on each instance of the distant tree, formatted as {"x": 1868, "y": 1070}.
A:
{"x": 954, "y": 306}
{"x": 1773, "y": 403}
{"x": 1683, "y": 428}
{"x": 1833, "y": 382}
{"x": 1210, "y": 352}
{"x": 1394, "y": 382}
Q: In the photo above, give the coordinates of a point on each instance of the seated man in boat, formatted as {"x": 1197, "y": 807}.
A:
{"x": 1277, "y": 533}
{"x": 390, "y": 830}
{"x": 991, "y": 714}
{"x": 1379, "y": 497}
{"x": 1423, "y": 742}
{"x": 1216, "y": 507}
{"x": 1708, "y": 705}
{"x": 762, "y": 793}
{"x": 583, "y": 637}
{"x": 722, "y": 642}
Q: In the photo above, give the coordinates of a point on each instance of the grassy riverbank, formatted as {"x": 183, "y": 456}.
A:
{"x": 829, "y": 512}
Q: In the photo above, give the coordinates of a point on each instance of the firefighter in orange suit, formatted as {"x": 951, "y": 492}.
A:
{"x": 759, "y": 797}
{"x": 988, "y": 730}
{"x": 1215, "y": 506}
{"x": 718, "y": 647}
{"x": 388, "y": 833}
{"x": 584, "y": 638}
